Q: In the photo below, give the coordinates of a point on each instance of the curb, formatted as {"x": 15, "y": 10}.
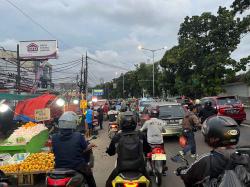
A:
{"x": 246, "y": 122}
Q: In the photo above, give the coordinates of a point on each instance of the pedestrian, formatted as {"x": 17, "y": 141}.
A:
{"x": 89, "y": 121}
{"x": 100, "y": 117}
{"x": 190, "y": 124}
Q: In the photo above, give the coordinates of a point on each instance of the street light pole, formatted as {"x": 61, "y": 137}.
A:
{"x": 123, "y": 85}
{"x": 153, "y": 73}
{"x": 153, "y": 53}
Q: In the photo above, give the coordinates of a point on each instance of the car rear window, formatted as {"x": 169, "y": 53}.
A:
{"x": 171, "y": 111}
{"x": 228, "y": 101}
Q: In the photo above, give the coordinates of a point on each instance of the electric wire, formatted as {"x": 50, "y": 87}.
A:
{"x": 107, "y": 64}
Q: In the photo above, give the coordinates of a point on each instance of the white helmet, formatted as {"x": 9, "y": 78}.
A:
{"x": 197, "y": 101}
{"x": 68, "y": 120}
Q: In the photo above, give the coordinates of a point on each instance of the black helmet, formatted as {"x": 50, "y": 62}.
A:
{"x": 123, "y": 109}
{"x": 222, "y": 131}
{"x": 128, "y": 121}
{"x": 208, "y": 103}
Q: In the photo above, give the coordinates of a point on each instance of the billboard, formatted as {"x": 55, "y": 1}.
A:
{"x": 97, "y": 92}
{"x": 38, "y": 50}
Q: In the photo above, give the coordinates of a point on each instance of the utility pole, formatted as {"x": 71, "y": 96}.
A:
{"x": 18, "y": 78}
{"x": 86, "y": 77}
{"x": 80, "y": 84}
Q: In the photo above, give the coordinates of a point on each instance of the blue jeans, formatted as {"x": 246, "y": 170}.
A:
{"x": 191, "y": 145}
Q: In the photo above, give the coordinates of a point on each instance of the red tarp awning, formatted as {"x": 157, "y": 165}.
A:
{"x": 28, "y": 107}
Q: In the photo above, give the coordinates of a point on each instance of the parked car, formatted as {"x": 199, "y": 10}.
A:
{"x": 171, "y": 113}
{"x": 227, "y": 106}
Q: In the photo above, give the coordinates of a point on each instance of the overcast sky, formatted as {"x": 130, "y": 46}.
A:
{"x": 110, "y": 30}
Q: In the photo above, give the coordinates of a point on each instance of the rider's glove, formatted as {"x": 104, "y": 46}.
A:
{"x": 178, "y": 170}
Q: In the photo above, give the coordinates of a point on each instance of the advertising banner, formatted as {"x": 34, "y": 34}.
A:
{"x": 98, "y": 92}
{"x": 42, "y": 114}
{"x": 38, "y": 50}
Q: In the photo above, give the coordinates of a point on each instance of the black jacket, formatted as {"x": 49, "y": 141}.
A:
{"x": 68, "y": 148}
{"x": 111, "y": 150}
{"x": 210, "y": 165}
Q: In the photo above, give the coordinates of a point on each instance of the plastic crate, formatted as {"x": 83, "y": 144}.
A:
{"x": 18, "y": 158}
{"x": 4, "y": 158}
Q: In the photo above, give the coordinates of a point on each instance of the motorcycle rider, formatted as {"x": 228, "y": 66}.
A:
{"x": 112, "y": 114}
{"x": 69, "y": 146}
{"x": 211, "y": 166}
{"x": 207, "y": 111}
{"x": 154, "y": 128}
{"x": 128, "y": 125}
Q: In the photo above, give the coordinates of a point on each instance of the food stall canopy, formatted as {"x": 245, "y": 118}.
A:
{"x": 25, "y": 110}
{"x": 7, "y": 96}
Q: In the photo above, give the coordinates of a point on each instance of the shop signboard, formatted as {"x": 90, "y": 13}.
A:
{"x": 98, "y": 92}
{"x": 38, "y": 50}
{"x": 42, "y": 114}
{"x": 83, "y": 104}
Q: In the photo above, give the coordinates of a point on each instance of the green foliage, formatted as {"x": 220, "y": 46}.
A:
{"x": 202, "y": 60}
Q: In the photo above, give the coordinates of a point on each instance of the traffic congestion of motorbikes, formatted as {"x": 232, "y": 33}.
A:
{"x": 137, "y": 128}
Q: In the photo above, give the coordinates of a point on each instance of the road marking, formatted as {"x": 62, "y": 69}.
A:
{"x": 244, "y": 125}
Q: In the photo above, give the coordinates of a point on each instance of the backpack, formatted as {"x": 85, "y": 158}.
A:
{"x": 230, "y": 178}
{"x": 130, "y": 152}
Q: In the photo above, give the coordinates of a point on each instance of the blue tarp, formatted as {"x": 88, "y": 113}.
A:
{"x": 23, "y": 118}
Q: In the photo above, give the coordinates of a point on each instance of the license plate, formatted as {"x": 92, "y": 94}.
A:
{"x": 159, "y": 157}
{"x": 172, "y": 122}
{"x": 233, "y": 111}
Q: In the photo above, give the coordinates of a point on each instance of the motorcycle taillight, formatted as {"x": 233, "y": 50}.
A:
{"x": 158, "y": 151}
{"x": 57, "y": 182}
{"x": 131, "y": 184}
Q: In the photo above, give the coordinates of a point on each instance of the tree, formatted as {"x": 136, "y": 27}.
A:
{"x": 202, "y": 59}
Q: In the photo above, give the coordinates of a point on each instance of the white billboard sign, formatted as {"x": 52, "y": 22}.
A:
{"x": 38, "y": 50}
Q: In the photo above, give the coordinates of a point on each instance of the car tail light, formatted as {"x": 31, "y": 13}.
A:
{"x": 131, "y": 184}
{"x": 113, "y": 126}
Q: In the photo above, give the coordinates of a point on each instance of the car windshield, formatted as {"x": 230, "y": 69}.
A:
{"x": 228, "y": 101}
{"x": 171, "y": 111}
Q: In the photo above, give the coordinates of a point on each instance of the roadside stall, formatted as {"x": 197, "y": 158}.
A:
{"x": 23, "y": 154}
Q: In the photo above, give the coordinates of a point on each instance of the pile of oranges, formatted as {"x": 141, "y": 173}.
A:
{"x": 34, "y": 162}
{"x": 13, "y": 168}
{"x": 29, "y": 125}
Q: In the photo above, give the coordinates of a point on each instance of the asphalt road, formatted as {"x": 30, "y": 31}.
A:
{"x": 104, "y": 164}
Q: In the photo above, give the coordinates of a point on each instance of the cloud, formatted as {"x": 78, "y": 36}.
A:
{"x": 110, "y": 30}
{"x": 10, "y": 44}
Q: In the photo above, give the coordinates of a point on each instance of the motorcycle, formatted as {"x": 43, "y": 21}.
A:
{"x": 4, "y": 180}
{"x": 113, "y": 129}
{"x": 63, "y": 177}
{"x": 156, "y": 162}
{"x": 113, "y": 125}
{"x": 130, "y": 179}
